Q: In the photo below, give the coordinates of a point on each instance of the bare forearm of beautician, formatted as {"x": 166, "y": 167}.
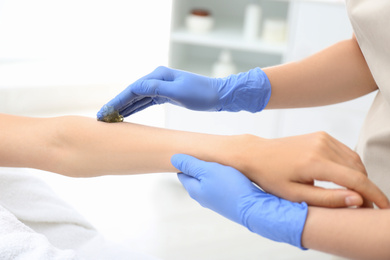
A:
{"x": 352, "y": 233}
{"x": 335, "y": 74}
{"x": 83, "y": 147}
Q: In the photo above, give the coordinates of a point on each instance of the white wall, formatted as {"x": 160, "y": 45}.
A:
{"x": 77, "y": 54}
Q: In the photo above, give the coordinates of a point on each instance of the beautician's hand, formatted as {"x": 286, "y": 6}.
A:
{"x": 248, "y": 91}
{"x": 287, "y": 167}
{"x": 228, "y": 192}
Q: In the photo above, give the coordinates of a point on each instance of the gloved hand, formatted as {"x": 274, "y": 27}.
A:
{"x": 228, "y": 192}
{"x": 248, "y": 91}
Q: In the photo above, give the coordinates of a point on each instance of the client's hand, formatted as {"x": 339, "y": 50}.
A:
{"x": 228, "y": 192}
{"x": 287, "y": 167}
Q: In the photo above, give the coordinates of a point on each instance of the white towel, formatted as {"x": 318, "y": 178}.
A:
{"x": 33, "y": 202}
{"x": 17, "y": 241}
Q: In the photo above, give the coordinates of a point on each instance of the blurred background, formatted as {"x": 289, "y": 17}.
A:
{"x": 71, "y": 57}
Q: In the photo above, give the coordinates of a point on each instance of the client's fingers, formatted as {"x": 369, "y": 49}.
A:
{"x": 345, "y": 155}
{"x": 353, "y": 180}
{"x": 321, "y": 197}
{"x": 367, "y": 203}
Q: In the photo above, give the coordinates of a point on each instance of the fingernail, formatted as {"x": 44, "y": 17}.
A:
{"x": 353, "y": 201}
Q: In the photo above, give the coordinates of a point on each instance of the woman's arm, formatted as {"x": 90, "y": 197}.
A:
{"x": 335, "y": 74}
{"x": 351, "y": 233}
{"x": 83, "y": 147}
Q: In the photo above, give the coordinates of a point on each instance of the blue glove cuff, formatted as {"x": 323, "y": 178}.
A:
{"x": 249, "y": 91}
{"x": 288, "y": 226}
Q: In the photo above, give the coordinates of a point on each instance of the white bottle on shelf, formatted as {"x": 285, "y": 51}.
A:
{"x": 252, "y": 21}
{"x": 224, "y": 66}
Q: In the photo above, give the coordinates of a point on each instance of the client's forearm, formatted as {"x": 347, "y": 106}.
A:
{"x": 352, "y": 233}
{"x": 83, "y": 147}
{"x": 96, "y": 148}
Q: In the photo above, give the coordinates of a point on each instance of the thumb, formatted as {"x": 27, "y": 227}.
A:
{"x": 191, "y": 185}
{"x": 191, "y": 169}
{"x": 189, "y": 165}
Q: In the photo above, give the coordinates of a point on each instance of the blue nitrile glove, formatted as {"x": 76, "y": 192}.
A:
{"x": 228, "y": 192}
{"x": 248, "y": 91}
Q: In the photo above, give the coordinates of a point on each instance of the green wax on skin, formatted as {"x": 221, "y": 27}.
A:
{"x": 113, "y": 117}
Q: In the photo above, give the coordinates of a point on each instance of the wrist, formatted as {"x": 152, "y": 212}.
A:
{"x": 249, "y": 91}
{"x": 247, "y": 155}
{"x": 234, "y": 151}
{"x": 226, "y": 150}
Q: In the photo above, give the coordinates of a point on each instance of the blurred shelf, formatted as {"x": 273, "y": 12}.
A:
{"x": 228, "y": 38}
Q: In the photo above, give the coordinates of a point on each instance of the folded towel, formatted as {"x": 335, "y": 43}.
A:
{"x": 17, "y": 241}
{"x": 33, "y": 203}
